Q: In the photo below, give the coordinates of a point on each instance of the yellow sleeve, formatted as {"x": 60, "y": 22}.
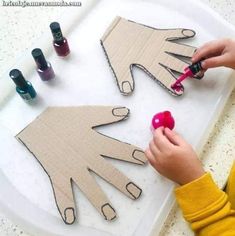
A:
{"x": 230, "y": 188}
{"x": 206, "y": 207}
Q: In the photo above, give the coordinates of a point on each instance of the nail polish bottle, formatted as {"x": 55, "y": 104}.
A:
{"x": 162, "y": 119}
{"x": 23, "y": 88}
{"x": 60, "y": 43}
{"x": 44, "y": 68}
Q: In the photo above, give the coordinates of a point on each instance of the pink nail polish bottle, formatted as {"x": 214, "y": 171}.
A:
{"x": 60, "y": 43}
{"x": 162, "y": 119}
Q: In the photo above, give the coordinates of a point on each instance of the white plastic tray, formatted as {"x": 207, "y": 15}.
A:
{"x": 85, "y": 78}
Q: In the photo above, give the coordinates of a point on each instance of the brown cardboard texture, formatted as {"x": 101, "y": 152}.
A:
{"x": 64, "y": 142}
{"x": 127, "y": 44}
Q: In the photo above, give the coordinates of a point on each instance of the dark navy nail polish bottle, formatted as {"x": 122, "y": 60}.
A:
{"x": 23, "y": 88}
{"x": 44, "y": 68}
{"x": 60, "y": 43}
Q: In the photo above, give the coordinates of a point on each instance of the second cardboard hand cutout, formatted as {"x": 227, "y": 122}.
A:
{"x": 64, "y": 142}
{"x": 127, "y": 43}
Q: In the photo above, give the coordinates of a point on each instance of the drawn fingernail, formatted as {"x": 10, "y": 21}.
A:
{"x": 188, "y": 33}
{"x": 134, "y": 190}
{"x": 108, "y": 212}
{"x": 126, "y": 87}
{"x": 69, "y": 216}
{"x": 140, "y": 156}
{"x": 121, "y": 111}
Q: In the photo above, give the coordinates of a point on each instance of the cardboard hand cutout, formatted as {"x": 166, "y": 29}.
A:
{"x": 127, "y": 43}
{"x": 64, "y": 142}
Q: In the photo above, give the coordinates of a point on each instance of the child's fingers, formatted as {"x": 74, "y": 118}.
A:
{"x": 214, "y": 62}
{"x": 209, "y": 48}
{"x": 153, "y": 148}
{"x": 150, "y": 156}
{"x": 213, "y": 47}
{"x": 208, "y": 56}
{"x": 173, "y": 137}
{"x": 160, "y": 140}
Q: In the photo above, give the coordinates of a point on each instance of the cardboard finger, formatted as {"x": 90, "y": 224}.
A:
{"x": 96, "y": 196}
{"x": 175, "y": 34}
{"x": 120, "y": 151}
{"x": 126, "y": 85}
{"x": 160, "y": 71}
{"x": 90, "y": 116}
{"x": 107, "y": 115}
{"x": 64, "y": 198}
{"x": 123, "y": 75}
{"x": 127, "y": 44}
{"x": 116, "y": 178}
{"x": 174, "y": 63}
{"x": 180, "y": 49}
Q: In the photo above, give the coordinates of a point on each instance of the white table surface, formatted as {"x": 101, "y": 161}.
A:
{"x": 17, "y": 32}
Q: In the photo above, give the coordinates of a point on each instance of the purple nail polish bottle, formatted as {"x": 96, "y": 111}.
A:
{"x": 44, "y": 68}
{"x": 60, "y": 43}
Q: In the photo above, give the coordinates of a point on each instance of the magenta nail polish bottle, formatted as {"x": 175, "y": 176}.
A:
{"x": 162, "y": 119}
{"x": 44, "y": 68}
{"x": 60, "y": 43}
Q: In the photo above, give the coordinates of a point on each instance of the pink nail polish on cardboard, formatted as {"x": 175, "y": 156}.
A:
{"x": 60, "y": 43}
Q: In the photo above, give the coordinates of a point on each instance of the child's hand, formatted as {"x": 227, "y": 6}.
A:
{"x": 173, "y": 157}
{"x": 216, "y": 53}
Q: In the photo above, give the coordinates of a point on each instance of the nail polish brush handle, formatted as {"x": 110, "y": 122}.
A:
{"x": 189, "y": 72}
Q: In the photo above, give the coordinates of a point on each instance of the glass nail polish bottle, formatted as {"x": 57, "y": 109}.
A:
{"x": 44, "y": 68}
{"x": 23, "y": 88}
{"x": 60, "y": 43}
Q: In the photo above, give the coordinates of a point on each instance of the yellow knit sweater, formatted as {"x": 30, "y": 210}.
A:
{"x": 209, "y": 210}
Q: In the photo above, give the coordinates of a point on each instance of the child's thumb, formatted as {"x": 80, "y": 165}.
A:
{"x": 173, "y": 137}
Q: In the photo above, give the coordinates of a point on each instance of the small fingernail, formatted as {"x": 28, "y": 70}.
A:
{"x": 134, "y": 190}
{"x": 188, "y": 33}
{"x": 126, "y": 87}
{"x": 199, "y": 75}
{"x": 167, "y": 130}
{"x": 140, "y": 156}
{"x": 108, "y": 212}
{"x": 121, "y": 111}
{"x": 69, "y": 216}
{"x": 203, "y": 64}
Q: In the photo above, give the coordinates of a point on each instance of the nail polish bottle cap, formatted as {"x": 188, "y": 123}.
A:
{"x": 18, "y": 78}
{"x": 56, "y": 32}
{"x": 196, "y": 67}
{"x": 39, "y": 59}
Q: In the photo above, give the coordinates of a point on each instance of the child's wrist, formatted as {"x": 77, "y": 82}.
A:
{"x": 192, "y": 177}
